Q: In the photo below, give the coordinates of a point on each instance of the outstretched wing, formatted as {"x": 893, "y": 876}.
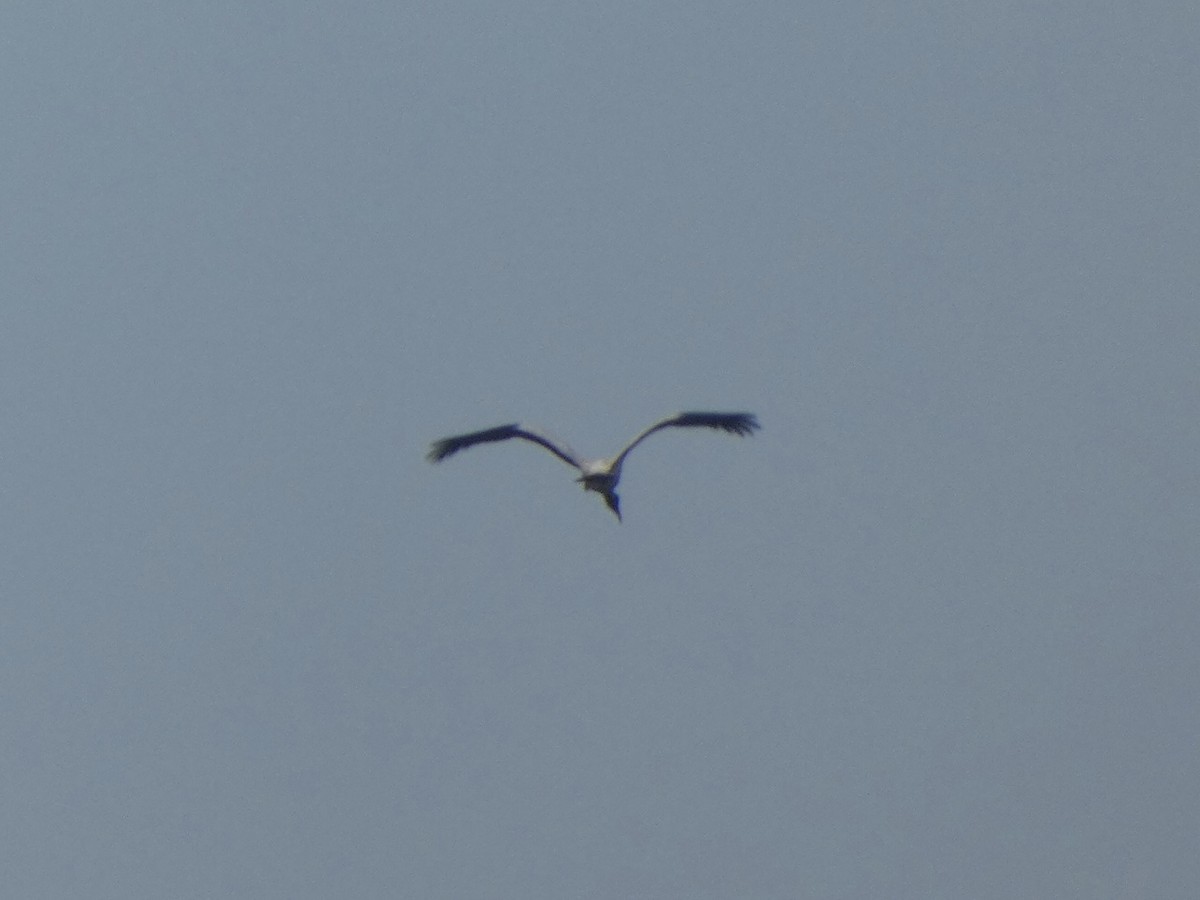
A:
{"x": 739, "y": 423}
{"x": 451, "y": 445}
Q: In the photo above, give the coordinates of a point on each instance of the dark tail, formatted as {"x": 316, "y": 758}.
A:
{"x": 614, "y": 503}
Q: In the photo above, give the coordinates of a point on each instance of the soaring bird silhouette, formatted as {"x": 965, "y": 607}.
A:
{"x": 599, "y": 475}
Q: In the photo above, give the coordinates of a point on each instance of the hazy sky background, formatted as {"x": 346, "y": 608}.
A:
{"x": 932, "y": 633}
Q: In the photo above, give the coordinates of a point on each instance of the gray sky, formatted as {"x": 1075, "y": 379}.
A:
{"x": 930, "y": 634}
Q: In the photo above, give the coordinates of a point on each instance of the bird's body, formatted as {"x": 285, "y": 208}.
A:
{"x": 599, "y": 475}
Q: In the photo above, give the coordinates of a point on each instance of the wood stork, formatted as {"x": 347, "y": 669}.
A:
{"x": 599, "y": 475}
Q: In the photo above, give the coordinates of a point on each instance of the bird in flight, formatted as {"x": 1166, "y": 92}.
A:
{"x": 599, "y": 475}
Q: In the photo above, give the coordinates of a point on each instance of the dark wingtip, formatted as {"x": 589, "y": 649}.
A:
{"x": 439, "y": 450}
{"x": 744, "y": 424}
{"x": 739, "y": 423}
